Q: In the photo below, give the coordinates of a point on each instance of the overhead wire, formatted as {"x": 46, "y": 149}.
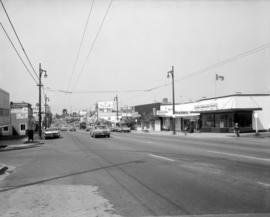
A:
{"x": 18, "y": 39}
{"x": 25, "y": 66}
{"x": 81, "y": 43}
{"x": 93, "y": 43}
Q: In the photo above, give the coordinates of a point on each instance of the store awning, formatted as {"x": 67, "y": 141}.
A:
{"x": 229, "y": 110}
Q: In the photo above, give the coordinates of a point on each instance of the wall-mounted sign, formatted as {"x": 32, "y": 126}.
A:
{"x": 105, "y": 105}
{"x": 206, "y": 107}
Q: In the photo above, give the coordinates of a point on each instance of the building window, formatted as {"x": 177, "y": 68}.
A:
{"x": 223, "y": 120}
{"x": 208, "y": 120}
{"x": 5, "y": 129}
{"x": 22, "y": 127}
{"x": 244, "y": 119}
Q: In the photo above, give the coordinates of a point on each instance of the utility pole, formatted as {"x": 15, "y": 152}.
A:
{"x": 46, "y": 117}
{"x": 116, "y": 99}
{"x": 172, "y": 75}
{"x": 40, "y": 85}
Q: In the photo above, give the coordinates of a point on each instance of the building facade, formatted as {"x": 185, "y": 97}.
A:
{"x": 21, "y": 117}
{"x": 250, "y": 111}
{"x": 5, "y": 121}
{"x": 148, "y": 118}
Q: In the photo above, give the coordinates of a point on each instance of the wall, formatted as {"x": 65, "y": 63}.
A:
{"x": 4, "y": 113}
{"x": 263, "y": 115}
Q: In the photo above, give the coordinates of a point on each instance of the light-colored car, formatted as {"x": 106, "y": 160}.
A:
{"x": 125, "y": 129}
{"x": 100, "y": 130}
{"x": 52, "y": 132}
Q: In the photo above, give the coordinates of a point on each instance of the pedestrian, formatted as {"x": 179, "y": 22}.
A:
{"x": 236, "y": 129}
{"x": 31, "y": 125}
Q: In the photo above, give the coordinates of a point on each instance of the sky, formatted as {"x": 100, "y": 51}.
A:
{"x": 132, "y": 51}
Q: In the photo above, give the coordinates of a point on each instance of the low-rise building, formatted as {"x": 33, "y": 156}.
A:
{"x": 5, "y": 122}
{"x": 21, "y": 117}
{"x": 219, "y": 114}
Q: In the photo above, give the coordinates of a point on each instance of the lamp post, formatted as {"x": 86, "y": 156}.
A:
{"x": 116, "y": 99}
{"x": 40, "y": 85}
{"x": 46, "y": 116}
{"x": 171, "y": 73}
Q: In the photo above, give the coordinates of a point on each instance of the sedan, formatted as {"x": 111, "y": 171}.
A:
{"x": 100, "y": 131}
{"x": 51, "y": 133}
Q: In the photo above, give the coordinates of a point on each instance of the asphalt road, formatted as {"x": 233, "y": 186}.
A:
{"x": 138, "y": 175}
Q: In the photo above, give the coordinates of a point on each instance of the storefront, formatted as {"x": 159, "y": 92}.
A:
{"x": 250, "y": 111}
{"x": 185, "y": 119}
{"x": 220, "y": 114}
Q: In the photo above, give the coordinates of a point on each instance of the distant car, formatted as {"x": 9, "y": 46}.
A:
{"x": 116, "y": 129}
{"x": 125, "y": 129}
{"x": 100, "y": 130}
{"x": 51, "y": 132}
{"x": 64, "y": 128}
{"x": 72, "y": 129}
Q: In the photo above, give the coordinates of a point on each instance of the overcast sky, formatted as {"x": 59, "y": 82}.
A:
{"x": 137, "y": 45}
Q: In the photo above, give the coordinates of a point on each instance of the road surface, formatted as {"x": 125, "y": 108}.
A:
{"x": 138, "y": 175}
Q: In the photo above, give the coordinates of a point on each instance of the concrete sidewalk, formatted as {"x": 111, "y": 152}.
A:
{"x": 205, "y": 134}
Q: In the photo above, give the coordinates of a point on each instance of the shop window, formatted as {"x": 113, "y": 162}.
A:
{"x": 22, "y": 127}
{"x": 244, "y": 119}
{"x": 223, "y": 120}
{"x": 207, "y": 120}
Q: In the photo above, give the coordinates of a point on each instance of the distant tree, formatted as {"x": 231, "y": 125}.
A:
{"x": 64, "y": 112}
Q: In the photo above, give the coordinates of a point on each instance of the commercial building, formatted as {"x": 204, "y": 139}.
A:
{"x": 5, "y": 122}
{"x": 250, "y": 111}
{"x": 21, "y": 117}
{"x": 147, "y": 116}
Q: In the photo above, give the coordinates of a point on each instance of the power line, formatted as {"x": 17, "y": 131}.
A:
{"x": 216, "y": 65}
{"x": 18, "y": 53}
{"x": 93, "y": 42}
{"x": 18, "y": 39}
{"x": 228, "y": 60}
{"x": 81, "y": 42}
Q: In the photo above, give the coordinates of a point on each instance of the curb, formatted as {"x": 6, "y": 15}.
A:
{"x": 21, "y": 146}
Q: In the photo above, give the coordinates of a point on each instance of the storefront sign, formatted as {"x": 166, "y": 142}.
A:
{"x": 105, "y": 105}
{"x": 206, "y": 107}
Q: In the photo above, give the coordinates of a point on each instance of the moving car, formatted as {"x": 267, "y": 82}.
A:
{"x": 100, "y": 130}
{"x": 51, "y": 132}
{"x": 125, "y": 129}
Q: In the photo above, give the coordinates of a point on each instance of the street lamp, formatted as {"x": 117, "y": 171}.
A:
{"x": 116, "y": 99}
{"x": 40, "y": 85}
{"x": 171, "y": 74}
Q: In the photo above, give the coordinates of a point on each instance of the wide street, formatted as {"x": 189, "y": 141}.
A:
{"x": 132, "y": 174}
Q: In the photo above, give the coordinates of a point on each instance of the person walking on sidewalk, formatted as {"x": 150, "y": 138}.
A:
{"x": 31, "y": 125}
{"x": 236, "y": 130}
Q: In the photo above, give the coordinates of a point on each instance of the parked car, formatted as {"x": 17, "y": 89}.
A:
{"x": 100, "y": 130}
{"x": 51, "y": 132}
{"x": 116, "y": 129}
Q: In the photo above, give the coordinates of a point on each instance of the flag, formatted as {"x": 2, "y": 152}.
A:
{"x": 219, "y": 77}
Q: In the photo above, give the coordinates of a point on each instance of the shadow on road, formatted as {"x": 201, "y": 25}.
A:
{"x": 68, "y": 175}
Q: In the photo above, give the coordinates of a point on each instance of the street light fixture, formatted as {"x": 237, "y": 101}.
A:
{"x": 171, "y": 74}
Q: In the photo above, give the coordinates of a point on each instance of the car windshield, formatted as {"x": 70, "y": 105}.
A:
{"x": 51, "y": 129}
{"x": 101, "y": 127}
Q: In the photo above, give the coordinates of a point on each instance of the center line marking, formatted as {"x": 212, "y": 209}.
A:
{"x": 164, "y": 158}
{"x": 242, "y": 156}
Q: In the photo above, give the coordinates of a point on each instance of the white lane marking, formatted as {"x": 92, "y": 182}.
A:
{"x": 264, "y": 184}
{"x": 242, "y": 156}
{"x": 161, "y": 157}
